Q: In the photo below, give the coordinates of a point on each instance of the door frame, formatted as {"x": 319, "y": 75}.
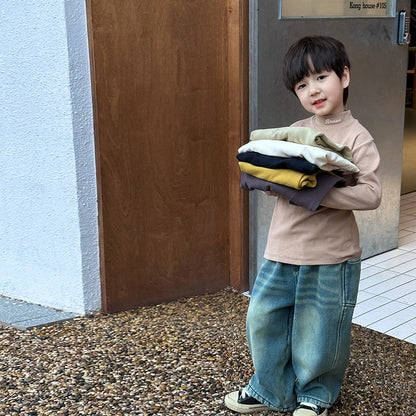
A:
{"x": 238, "y": 29}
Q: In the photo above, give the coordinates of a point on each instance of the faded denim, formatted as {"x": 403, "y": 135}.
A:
{"x": 299, "y": 332}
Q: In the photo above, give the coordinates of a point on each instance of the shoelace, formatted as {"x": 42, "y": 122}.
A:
{"x": 311, "y": 406}
{"x": 244, "y": 393}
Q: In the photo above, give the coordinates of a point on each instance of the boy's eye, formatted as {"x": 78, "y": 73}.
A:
{"x": 321, "y": 77}
{"x": 300, "y": 86}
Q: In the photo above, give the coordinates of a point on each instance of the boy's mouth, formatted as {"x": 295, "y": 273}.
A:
{"x": 319, "y": 103}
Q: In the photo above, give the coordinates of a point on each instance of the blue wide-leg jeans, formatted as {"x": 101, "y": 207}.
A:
{"x": 299, "y": 332}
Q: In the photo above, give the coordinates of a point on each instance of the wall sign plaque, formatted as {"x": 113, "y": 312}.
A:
{"x": 336, "y": 8}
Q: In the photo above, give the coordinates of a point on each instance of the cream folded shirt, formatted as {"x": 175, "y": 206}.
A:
{"x": 324, "y": 159}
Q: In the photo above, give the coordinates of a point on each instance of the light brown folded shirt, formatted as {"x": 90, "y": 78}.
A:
{"x": 302, "y": 135}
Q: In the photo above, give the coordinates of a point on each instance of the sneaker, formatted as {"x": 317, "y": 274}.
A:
{"x": 309, "y": 409}
{"x": 242, "y": 402}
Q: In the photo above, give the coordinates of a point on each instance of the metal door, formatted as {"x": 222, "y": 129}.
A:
{"x": 377, "y": 99}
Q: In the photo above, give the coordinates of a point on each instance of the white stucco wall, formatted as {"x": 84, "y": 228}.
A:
{"x": 48, "y": 202}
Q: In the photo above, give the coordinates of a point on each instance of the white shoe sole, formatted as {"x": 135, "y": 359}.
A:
{"x": 231, "y": 401}
{"x": 307, "y": 412}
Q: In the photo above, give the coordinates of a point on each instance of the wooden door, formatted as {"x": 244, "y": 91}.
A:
{"x": 170, "y": 101}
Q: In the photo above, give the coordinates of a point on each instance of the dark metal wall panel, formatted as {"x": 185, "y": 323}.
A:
{"x": 377, "y": 99}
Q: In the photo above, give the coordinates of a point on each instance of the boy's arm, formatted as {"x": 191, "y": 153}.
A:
{"x": 366, "y": 193}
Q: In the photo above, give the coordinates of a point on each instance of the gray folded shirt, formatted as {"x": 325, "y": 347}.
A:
{"x": 309, "y": 198}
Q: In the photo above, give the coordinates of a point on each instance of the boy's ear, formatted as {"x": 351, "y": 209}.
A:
{"x": 345, "y": 78}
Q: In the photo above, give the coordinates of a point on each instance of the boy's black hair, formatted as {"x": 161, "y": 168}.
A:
{"x": 322, "y": 52}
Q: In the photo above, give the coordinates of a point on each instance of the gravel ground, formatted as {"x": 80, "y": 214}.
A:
{"x": 176, "y": 359}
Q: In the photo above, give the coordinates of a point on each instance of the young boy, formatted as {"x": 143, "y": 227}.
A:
{"x": 300, "y": 313}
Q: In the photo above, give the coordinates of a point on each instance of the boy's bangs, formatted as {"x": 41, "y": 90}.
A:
{"x": 309, "y": 63}
{"x": 320, "y": 62}
{"x": 296, "y": 69}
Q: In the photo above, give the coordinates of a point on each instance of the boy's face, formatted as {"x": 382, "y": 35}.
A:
{"x": 322, "y": 93}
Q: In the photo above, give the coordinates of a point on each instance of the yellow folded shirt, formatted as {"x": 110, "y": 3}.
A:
{"x": 286, "y": 177}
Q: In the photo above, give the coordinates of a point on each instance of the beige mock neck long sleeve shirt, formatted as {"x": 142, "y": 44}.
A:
{"x": 330, "y": 234}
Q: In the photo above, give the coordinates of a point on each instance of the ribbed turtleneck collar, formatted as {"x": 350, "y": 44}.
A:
{"x": 334, "y": 119}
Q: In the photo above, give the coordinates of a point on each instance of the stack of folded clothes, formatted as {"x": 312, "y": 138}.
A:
{"x": 297, "y": 163}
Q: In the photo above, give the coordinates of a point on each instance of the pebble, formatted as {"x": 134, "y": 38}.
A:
{"x": 179, "y": 358}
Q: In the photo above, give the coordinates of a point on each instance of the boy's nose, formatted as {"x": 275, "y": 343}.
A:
{"x": 314, "y": 88}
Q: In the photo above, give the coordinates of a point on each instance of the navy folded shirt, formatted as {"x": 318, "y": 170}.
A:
{"x": 275, "y": 162}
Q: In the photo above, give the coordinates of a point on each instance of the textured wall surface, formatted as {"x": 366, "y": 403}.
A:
{"x": 48, "y": 221}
